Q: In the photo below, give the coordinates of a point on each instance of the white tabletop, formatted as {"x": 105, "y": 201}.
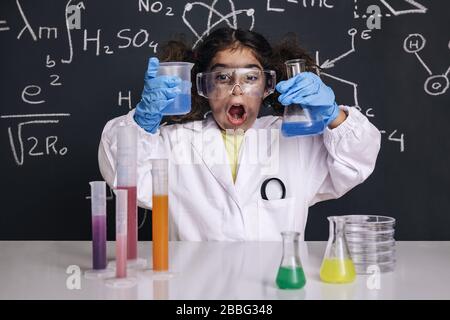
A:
{"x": 216, "y": 270}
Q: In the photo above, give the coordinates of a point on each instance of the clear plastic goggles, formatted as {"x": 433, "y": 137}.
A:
{"x": 224, "y": 82}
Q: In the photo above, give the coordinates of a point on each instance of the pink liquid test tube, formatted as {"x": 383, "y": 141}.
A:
{"x": 121, "y": 233}
{"x": 127, "y": 180}
{"x": 121, "y": 280}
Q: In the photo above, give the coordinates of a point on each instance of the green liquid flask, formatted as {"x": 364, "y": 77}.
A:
{"x": 290, "y": 273}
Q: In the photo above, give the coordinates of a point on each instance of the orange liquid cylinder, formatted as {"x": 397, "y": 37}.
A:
{"x": 160, "y": 232}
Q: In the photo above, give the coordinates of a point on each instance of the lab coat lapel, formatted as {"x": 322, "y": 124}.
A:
{"x": 255, "y": 159}
{"x": 208, "y": 143}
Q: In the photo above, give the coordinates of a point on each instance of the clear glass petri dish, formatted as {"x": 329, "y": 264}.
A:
{"x": 353, "y": 229}
{"x": 371, "y": 247}
{"x": 382, "y": 257}
{"x": 358, "y": 238}
{"x": 368, "y": 223}
{"x": 385, "y": 233}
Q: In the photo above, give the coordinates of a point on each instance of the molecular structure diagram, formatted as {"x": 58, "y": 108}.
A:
{"x": 435, "y": 84}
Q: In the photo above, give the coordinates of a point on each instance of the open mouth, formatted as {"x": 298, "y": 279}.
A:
{"x": 236, "y": 114}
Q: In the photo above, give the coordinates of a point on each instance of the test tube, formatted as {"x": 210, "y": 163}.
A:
{"x": 160, "y": 215}
{"x": 126, "y": 180}
{"x": 121, "y": 280}
{"x": 98, "y": 212}
{"x": 98, "y": 209}
{"x": 121, "y": 233}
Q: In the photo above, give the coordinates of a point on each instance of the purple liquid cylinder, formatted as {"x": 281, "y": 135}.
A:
{"x": 98, "y": 210}
{"x": 99, "y": 242}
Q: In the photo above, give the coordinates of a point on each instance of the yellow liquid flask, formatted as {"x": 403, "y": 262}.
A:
{"x": 337, "y": 265}
{"x": 290, "y": 273}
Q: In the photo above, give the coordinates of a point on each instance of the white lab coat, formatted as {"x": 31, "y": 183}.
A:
{"x": 205, "y": 204}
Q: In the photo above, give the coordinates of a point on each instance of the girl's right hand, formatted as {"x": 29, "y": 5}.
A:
{"x": 158, "y": 93}
{"x": 308, "y": 90}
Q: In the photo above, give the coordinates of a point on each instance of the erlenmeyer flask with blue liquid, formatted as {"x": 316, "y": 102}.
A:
{"x": 298, "y": 121}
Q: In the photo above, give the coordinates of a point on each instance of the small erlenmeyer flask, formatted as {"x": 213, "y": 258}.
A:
{"x": 337, "y": 265}
{"x": 290, "y": 273}
{"x": 298, "y": 121}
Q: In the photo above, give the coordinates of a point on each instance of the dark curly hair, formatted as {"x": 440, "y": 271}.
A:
{"x": 271, "y": 58}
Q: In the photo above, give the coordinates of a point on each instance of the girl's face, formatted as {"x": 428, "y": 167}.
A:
{"x": 238, "y": 110}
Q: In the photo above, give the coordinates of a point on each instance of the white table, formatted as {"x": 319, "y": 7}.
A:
{"x": 216, "y": 270}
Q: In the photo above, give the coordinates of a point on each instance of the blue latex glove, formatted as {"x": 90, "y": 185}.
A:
{"x": 158, "y": 93}
{"x": 308, "y": 90}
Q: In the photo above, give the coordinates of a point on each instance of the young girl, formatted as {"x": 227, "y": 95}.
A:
{"x": 222, "y": 156}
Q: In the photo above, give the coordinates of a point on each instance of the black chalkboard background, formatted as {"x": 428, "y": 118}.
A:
{"x": 44, "y": 194}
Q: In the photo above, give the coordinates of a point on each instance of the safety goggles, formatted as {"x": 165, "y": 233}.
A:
{"x": 224, "y": 82}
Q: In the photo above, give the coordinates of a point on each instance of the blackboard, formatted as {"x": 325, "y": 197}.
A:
{"x": 67, "y": 67}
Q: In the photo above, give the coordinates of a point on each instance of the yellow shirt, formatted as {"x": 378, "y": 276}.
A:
{"x": 232, "y": 145}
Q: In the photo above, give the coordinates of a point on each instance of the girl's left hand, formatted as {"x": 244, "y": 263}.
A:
{"x": 308, "y": 90}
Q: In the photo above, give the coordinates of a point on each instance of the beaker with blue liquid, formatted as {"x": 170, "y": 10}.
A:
{"x": 182, "y": 102}
{"x": 298, "y": 121}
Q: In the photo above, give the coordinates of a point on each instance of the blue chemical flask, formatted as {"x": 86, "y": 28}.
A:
{"x": 298, "y": 121}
